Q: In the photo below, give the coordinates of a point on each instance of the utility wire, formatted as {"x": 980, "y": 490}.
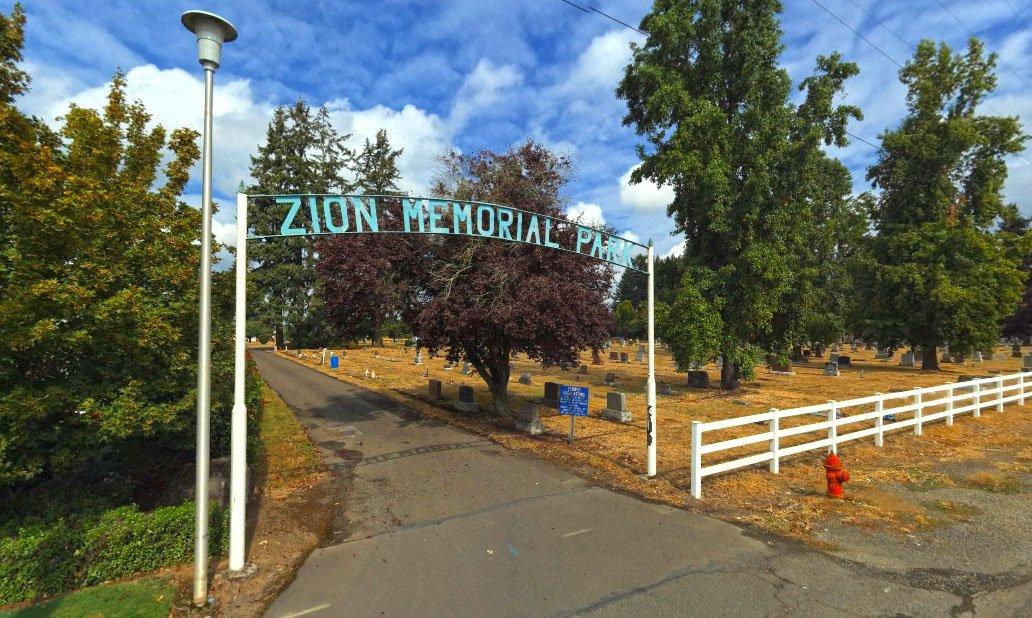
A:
{"x": 972, "y": 33}
{"x": 1020, "y": 17}
{"x": 881, "y": 51}
{"x": 590, "y": 9}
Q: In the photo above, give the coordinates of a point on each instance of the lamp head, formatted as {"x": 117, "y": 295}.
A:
{"x": 212, "y": 31}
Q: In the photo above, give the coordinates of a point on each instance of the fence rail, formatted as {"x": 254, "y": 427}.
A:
{"x": 920, "y": 405}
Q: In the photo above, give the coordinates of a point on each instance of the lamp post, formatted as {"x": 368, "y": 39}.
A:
{"x": 212, "y": 31}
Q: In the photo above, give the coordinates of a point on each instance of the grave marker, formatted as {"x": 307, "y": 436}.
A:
{"x": 845, "y": 361}
{"x": 525, "y": 378}
{"x": 831, "y": 369}
{"x": 551, "y": 398}
{"x": 528, "y": 419}
{"x": 467, "y": 400}
{"x": 434, "y": 389}
{"x": 698, "y": 379}
{"x": 616, "y": 408}
{"x": 906, "y": 360}
{"x": 583, "y": 370}
{"x": 624, "y": 358}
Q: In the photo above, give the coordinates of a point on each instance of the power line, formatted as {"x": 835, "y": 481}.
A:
{"x": 972, "y": 33}
{"x": 880, "y": 50}
{"x": 590, "y": 9}
{"x": 857, "y": 33}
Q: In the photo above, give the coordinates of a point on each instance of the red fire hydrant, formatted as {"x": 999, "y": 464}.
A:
{"x": 836, "y": 475}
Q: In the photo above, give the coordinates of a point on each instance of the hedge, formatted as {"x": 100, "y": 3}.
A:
{"x": 46, "y": 559}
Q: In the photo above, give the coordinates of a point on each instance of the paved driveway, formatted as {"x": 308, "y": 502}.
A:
{"x": 436, "y": 521}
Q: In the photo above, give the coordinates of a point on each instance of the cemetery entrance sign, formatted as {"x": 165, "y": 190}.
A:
{"x": 322, "y": 214}
{"x": 316, "y": 215}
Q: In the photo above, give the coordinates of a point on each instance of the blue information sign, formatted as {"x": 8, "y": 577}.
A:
{"x": 573, "y": 400}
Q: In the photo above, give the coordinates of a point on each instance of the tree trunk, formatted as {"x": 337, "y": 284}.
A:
{"x": 279, "y": 337}
{"x": 377, "y": 338}
{"x": 500, "y": 395}
{"x": 730, "y": 377}
{"x": 818, "y": 349}
{"x": 929, "y": 359}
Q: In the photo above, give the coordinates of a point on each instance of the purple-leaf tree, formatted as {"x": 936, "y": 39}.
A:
{"x": 486, "y": 300}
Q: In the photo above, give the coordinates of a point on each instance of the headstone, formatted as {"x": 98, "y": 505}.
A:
{"x": 467, "y": 369}
{"x": 698, "y": 379}
{"x": 665, "y": 389}
{"x": 906, "y": 360}
{"x": 610, "y": 379}
{"x": 467, "y": 401}
{"x": 525, "y": 378}
{"x": 720, "y": 362}
{"x": 528, "y": 419}
{"x": 694, "y": 366}
{"x": 1016, "y": 351}
{"x": 583, "y": 370}
{"x": 833, "y": 357}
{"x": 623, "y": 342}
{"x": 614, "y": 356}
{"x": 419, "y": 358}
{"x": 596, "y": 357}
{"x": 616, "y": 408}
{"x": 976, "y": 357}
{"x": 639, "y": 356}
{"x": 945, "y": 358}
{"x": 551, "y": 398}
{"x": 367, "y": 372}
{"x": 1026, "y": 361}
{"x": 831, "y": 369}
{"x": 434, "y": 389}
{"x": 624, "y": 358}
{"x": 844, "y": 361}
{"x": 372, "y": 374}
{"x": 835, "y": 348}
{"x": 853, "y": 347}
{"x": 882, "y": 354}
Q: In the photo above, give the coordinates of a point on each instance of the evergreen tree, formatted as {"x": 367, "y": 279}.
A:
{"x": 939, "y": 271}
{"x": 303, "y": 153}
{"x": 367, "y": 280}
{"x": 632, "y": 284}
{"x": 707, "y": 94}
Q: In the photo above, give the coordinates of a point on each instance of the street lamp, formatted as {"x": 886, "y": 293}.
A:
{"x": 212, "y": 31}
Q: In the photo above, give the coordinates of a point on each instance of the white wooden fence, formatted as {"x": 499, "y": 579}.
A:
{"x": 946, "y": 402}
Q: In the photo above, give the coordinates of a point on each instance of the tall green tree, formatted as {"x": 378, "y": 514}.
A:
{"x": 706, "y": 92}
{"x": 303, "y": 153}
{"x": 98, "y": 283}
{"x": 939, "y": 271}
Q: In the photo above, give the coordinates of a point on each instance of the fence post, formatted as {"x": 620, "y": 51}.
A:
{"x": 833, "y": 429}
{"x": 949, "y": 406}
{"x": 879, "y": 437}
{"x": 1021, "y": 389}
{"x": 917, "y": 413}
{"x": 775, "y": 446}
{"x": 999, "y": 394}
{"x": 978, "y": 400}
{"x": 697, "y": 460}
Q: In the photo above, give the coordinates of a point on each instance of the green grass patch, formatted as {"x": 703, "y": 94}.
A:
{"x": 144, "y": 598}
{"x": 994, "y": 483}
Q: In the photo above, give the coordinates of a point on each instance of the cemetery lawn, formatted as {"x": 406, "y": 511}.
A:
{"x": 290, "y": 512}
{"x": 988, "y": 454}
{"x": 143, "y": 598}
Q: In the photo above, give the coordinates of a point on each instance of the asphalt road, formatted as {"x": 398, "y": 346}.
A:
{"x": 436, "y": 521}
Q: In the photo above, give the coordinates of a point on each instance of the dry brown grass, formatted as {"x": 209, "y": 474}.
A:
{"x": 791, "y": 503}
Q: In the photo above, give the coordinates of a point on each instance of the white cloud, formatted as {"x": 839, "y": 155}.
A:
{"x": 629, "y": 235}
{"x": 422, "y": 137}
{"x": 481, "y": 89}
{"x": 676, "y": 250}
{"x": 601, "y": 65}
{"x": 645, "y": 195}
{"x": 586, "y": 214}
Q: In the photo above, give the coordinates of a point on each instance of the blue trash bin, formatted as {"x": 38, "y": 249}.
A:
{"x": 334, "y": 362}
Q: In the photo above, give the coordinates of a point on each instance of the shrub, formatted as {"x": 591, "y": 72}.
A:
{"x": 46, "y": 559}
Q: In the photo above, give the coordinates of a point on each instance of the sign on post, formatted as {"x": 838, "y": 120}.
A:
{"x": 573, "y": 402}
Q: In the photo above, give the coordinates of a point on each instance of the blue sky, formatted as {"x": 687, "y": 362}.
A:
{"x": 471, "y": 74}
